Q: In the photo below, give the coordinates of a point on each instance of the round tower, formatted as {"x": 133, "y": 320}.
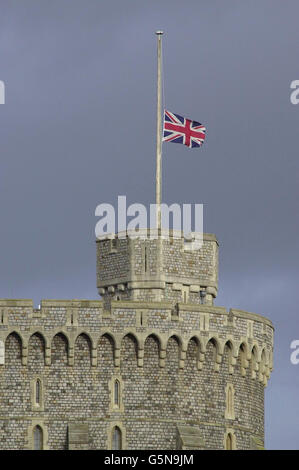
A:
{"x": 191, "y": 375}
{"x": 153, "y": 365}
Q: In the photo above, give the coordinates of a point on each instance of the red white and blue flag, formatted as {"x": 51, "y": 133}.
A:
{"x": 180, "y": 130}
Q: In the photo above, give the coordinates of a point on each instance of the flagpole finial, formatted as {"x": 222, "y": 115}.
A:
{"x": 159, "y": 32}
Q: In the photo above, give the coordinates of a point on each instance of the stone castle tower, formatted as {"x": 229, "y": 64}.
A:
{"x": 153, "y": 365}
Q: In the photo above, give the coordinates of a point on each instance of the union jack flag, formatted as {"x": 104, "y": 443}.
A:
{"x": 180, "y": 130}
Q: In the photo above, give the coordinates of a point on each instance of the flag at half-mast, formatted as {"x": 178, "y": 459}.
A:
{"x": 180, "y": 130}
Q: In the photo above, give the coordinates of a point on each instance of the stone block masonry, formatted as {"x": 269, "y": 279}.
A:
{"x": 153, "y": 365}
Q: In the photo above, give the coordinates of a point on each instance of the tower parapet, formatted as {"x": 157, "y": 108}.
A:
{"x": 166, "y": 268}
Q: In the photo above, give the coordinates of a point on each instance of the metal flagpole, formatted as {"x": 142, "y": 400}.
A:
{"x": 159, "y": 130}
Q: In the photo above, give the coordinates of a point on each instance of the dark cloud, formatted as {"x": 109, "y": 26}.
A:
{"x": 78, "y": 129}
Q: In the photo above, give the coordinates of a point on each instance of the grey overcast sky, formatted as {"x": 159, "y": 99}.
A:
{"x": 78, "y": 129}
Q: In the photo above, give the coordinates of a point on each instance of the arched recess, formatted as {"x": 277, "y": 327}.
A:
{"x": 227, "y": 359}
{"x": 153, "y": 376}
{"x": 170, "y": 374}
{"x": 230, "y": 440}
{"x": 128, "y": 355}
{"x": 263, "y": 367}
{"x": 133, "y": 337}
{"x": 116, "y": 436}
{"x": 254, "y": 362}
{"x": 212, "y": 349}
{"x": 13, "y": 350}
{"x": 151, "y": 353}
{"x": 82, "y": 351}
{"x": 59, "y": 350}
{"x": 172, "y": 354}
{"x": 38, "y": 438}
{"x": 192, "y": 354}
{"x": 242, "y": 359}
{"x": 200, "y": 350}
{"x": 106, "y": 348}
{"x": 36, "y": 352}
{"x": 14, "y": 386}
{"x": 191, "y": 380}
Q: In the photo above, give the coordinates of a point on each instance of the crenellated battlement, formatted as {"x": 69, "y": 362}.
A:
{"x": 240, "y": 334}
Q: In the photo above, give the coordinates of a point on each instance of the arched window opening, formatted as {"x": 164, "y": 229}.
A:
{"x": 229, "y": 442}
{"x": 116, "y": 393}
{"x": 230, "y": 401}
{"x": 38, "y": 387}
{"x": 230, "y": 406}
{"x": 116, "y": 439}
{"x": 38, "y": 438}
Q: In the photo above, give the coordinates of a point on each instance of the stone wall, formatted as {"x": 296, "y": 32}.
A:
{"x": 157, "y": 269}
{"x": 173, "y": 361}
